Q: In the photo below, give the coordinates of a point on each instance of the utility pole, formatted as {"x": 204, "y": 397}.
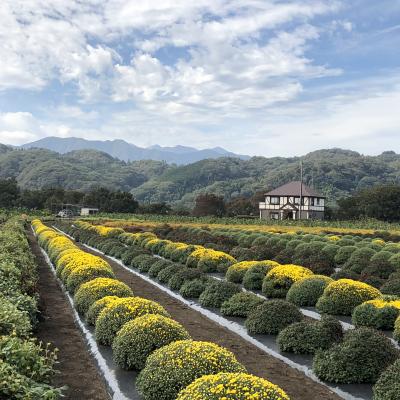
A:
{"x": 301, "y": 188}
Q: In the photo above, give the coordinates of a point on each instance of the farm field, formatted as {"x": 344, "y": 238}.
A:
{"x": 178, "y": 311}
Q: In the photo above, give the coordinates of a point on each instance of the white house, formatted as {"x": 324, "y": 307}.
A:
{"x": 284, "y": 203}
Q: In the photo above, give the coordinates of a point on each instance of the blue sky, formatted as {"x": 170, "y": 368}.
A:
{"x": 261, "y": 77}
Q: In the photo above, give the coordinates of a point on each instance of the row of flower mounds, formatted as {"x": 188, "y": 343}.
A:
{"x": 26, "y": 365}
{"x": 145, "y": 338}
{"x": 370, "y": 260}
{"x": 240, "y": 303}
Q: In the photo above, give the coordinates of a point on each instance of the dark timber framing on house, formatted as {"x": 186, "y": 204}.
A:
{"x": 284, "y": 203}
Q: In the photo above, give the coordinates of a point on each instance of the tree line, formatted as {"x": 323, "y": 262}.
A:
{"x": 381, "y": 202}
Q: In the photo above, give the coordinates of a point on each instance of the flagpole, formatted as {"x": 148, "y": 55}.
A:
{"x": 301, "y": 188}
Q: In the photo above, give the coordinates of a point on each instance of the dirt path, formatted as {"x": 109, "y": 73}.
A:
{"x": 76, "y": 367}
{"x": 295, "y": 383}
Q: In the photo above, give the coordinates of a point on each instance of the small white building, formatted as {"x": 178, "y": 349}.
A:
{"x": 85, "y": 211}
{"x": 284, "y": 203}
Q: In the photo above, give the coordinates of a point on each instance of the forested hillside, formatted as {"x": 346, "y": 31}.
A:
{"x": 334, "y": 172}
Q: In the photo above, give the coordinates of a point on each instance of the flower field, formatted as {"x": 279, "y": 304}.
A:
{"x": 335, "y": 275}
{"x": 329, "y": 303}
{"x": 143, "y": 335}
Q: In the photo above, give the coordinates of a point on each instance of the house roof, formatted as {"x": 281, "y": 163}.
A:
{"x": 293, "y": 189}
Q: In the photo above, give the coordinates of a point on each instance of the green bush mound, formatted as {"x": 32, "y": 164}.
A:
{"x": 342, "y": 296}
{"x": 217, "y": 292}
{"x": 240, "y": 304}
{"x": 307, "y": 291}
{"x": 138, "y": 338}
{"x": 380, "y": 313}
{"x": 143, "y": 262}
{"x": 344, "y": 254}
{"x": 119, "y": 312}
{"x": 254, "y": 276}
{"x": 166, "y": 274}
{"x": 306, "y": 337}
{"x": 243, "y": 253}
{"x": 183, "y": 275}
{"x": 395, "y": 261}
{"x": 379, "y": 265}
{"x": 372, "y": 280}
{"x": 194, "y": 288}
{"x": 361, "y": 358}
{"x": 392, "y": 286}
{"x": 272, "y": 316}
{"x": 359, "y": 259}
{"x": 130, "y": 253}
{"x": 224, "y": 385}
{"x": 97, "y": 288}
{"x": 158, "y": 266}
{"x": 388, "y": 385}
{"x": 173, "y": 367}
{"x": 96, "y": 308}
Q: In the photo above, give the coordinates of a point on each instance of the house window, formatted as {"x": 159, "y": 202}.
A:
{"x": 312, "y": 200}
{"x": 274, "y": 200}
{"x": 297, "y": 200}
{"x": 274, "y": 215}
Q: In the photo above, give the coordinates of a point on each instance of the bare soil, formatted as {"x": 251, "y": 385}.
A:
{"x": 77, "y": 368}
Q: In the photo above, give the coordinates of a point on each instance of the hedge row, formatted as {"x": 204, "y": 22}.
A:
{"x": 26, "y": 366}
{"x": 145, "y": 338}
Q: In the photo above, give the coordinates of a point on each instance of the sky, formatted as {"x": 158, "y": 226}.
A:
{"x": 257, "y": 77}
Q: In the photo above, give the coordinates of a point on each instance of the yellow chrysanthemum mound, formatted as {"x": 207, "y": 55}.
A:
{"x": 58, "y": 244}
{"x": 138, "y": 338}
{"x": 334, "y": 238}
{"x": 278, "y": 280}
{"x": 96, "y": 308}
{"x": 173, "y": 367}
{"x": 236, "y": 272}
{"x": 96, "y": 289}
{"x": 380, "y": 313}
{"x": 232, "y": 386}
{"x": 118, "y": 312}
{"x": 342, "y": 296}
{"x": 209, "y": 260}
{"x": 84, "y": 273}
{"x": 99, "y": 229}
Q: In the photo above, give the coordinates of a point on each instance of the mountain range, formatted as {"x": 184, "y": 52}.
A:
{"x": 334, "y": 172}
{"x": 125, "y": 151}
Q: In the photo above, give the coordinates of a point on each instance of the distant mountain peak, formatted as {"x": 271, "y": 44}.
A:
{"x": 125, "y": 151}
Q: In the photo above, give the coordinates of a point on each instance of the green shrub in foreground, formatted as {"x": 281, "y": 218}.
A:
{"x": 388, "y": 385}
{"x": 254, "y": 276}
{"x": 138, "y": 338}
{"x": 183, "y": 275}
{"x": 306, "y": 337}
{"x": 272, "y": 316}
{"x": 173, "y": 367}
{"x": 13, "y": 320}
{"x": 362, "y": 356}
{"x": 240, "y": 304}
